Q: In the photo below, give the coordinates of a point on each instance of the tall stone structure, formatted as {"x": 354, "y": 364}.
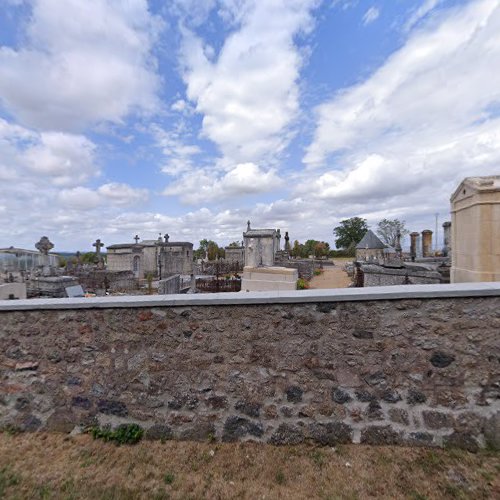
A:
{"x": 427, "y": 243}
{"x": 446, "y": 238}
{"x": 261, "y": 246}
{"x": 260, "y": 273}
{"x": 414, "y": 245}
{"x": 475, "y": 230}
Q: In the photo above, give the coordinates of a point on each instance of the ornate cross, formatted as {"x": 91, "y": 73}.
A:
{"x": 98, "y": 245}
{"x": 166, "y": 238}
{"x": 136, "y": 238}
{"x": 44, "y": 245}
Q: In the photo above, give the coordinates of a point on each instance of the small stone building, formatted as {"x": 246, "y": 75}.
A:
{"x": 261, "y": 246}
{"x": 156, "y": 257}
{"x": 475, "y": 230}
{"x": 235, "y": 255}
{"x": 370, "y": 248}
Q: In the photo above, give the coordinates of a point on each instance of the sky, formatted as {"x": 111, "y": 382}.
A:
{"x": 190, "y": 117}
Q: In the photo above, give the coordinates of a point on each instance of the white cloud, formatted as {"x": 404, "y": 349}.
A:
{"x": 438, "y": 84}
{"x": 90, "y": 60}
{"x": 204, "y": 187}
{"x": 122, "y": 194}
{"x": 426, "y": 119}
{"x": 114, "y": 193}
{"x": 54, "y": 157}
{"x": 420, "y": 13}
{"x": 248, "y": 92}
{"x": 404, "y": 139}
{"x": 67, "y": 159}
{"x": 79, "y": 198}
{"x": 371, "y": 15}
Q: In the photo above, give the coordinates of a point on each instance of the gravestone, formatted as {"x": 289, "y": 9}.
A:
{"x": 44, "y": 246}
{"x": 75, "y": 291}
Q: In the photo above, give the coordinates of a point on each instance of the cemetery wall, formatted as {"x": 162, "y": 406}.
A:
{"x": 415, "y": 365}
{"x": 375, "y": 275}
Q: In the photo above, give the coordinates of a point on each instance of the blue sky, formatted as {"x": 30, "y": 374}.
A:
{"x": 191, "y": 117}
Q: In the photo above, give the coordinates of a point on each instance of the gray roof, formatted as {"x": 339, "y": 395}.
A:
{"x": 255, "y": 233}
{"x": 126, "y": 245}
{"x": 370, "y": 240}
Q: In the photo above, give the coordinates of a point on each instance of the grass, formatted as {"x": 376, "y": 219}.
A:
{"x": 42, "y": 465}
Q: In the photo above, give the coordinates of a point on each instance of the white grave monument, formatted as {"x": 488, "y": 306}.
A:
{"x": 260, "y": 274}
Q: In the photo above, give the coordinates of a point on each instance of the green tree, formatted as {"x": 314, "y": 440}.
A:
{"x": 349, "y": 232}
{"x": 235, "y": 244}
{"x": 388, "y": 229}
{"x": 321, "y": 249}
{"x": 309, "y": 246}
{"x": 201, "y": 251}
{"x": 212, "y": 250}
{"x": 88, "y": 258}
{"x": 297, "y": 249}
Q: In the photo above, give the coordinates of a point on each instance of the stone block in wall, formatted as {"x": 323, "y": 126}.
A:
{"x": 236, "y": 428}
{"x": 380, "y": 435}
{"x": 287, "y": 434}
{"x": 492, "y": 431}
{"x": 330, "y": 433}
{"x": 437, "y": 420}
{"x": 158, "y": 432}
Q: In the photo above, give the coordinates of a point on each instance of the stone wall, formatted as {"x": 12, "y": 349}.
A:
{"x": 170, "y": 285}
{"x": 386, "y": 276}
{"x": 372, "y": 366}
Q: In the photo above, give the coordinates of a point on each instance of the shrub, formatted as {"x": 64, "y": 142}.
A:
{"x": 123, "y": 434}
{"x": 302, "y": 284}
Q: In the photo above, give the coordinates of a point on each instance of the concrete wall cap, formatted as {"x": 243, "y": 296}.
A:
{"x": 491, "y": 289}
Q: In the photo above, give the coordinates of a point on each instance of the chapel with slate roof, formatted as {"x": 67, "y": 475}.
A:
{"x": 370, "y": 248}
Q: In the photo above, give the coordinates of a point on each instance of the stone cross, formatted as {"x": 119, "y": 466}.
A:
{"x": 166, "y": 237}
{"x": 136, "y": 238}
{"x": 248, "y": 225}
{"x": 44, "y": 245}
{"x": 98, "y": 245}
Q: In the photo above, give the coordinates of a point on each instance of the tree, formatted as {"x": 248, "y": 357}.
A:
{"x": 212, "y": 250}
{"x": 297, "y": 249}
{"x": 235, "y": 244}
{"x": 349, "y": 232}
{"x": 388, "y": 229}
{"x": 321, "y": 249}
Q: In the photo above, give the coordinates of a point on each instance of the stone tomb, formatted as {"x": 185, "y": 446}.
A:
{"x": 261, "y": 279}
{"x": 156, "y": 257}
{"x": 475, "y": 230}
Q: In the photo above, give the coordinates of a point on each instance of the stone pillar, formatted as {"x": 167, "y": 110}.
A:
{"x": 427, "y": 243}
{"x": 413, "y": 245}
{"x": 447, "y": 238}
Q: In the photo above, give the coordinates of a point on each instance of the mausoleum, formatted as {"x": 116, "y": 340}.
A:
{"x": 159, "y": 257}
{"x": 475, "y": 230}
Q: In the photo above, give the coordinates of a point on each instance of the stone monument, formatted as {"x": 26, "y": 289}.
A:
{"x": 260, "y": 272}
{"x": 44, "y": 246}
{"x": 475, "y": 230}
{"x": 427, "y": 243}
{"x": 98, "y": 258}
{"x": 288, "y": 248}
{"x": 446, "y": 238}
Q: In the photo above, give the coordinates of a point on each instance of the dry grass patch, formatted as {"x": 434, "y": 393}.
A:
{"x": 57, "y": 466}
